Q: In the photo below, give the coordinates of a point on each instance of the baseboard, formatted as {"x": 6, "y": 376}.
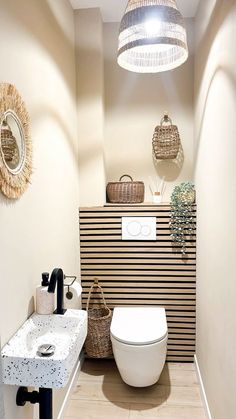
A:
{"x": 203, "y": 393}
{"x": 71, "y": 387}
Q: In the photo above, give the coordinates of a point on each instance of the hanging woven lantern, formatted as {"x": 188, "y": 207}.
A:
{"x": 166, "y": 140}
{"x": 152, "y": 37}
{"x": 8, "y": 142}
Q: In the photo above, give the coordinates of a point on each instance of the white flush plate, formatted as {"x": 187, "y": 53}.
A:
{"x": 139, "y": 228}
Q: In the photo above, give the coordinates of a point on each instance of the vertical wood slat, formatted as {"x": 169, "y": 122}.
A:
{"x": 141, "y": 273}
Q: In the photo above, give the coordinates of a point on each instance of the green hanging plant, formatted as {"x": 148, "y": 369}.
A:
{"x": 181, "y": 220}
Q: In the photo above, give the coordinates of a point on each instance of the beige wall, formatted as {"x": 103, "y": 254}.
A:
{"x": 38, "y": 231}
{"x": 89, "y": 58}
{"x": 134, "y": 105}
{"x": 215, "y": 92}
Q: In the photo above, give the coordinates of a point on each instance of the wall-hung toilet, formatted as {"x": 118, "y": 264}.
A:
{"x": 139, "y": 342}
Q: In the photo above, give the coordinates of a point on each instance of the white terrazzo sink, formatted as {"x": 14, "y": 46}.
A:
{"x": 23, "y": 366}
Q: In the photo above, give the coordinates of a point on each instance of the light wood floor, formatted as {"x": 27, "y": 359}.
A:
{"x": 101, "y": 394}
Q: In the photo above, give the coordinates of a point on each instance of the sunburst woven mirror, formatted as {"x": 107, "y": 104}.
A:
{"x": 15, "y": 143}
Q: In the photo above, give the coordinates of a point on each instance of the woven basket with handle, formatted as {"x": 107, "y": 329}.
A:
{"x": 166, "y": 140}
{"x": 98, "y": 342}
{"x": 121, "y": 192}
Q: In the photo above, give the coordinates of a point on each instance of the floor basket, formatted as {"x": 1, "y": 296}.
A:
{"x": 98, "y": 342}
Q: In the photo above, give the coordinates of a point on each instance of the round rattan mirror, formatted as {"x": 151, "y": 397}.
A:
{"x": 15, "y": 143}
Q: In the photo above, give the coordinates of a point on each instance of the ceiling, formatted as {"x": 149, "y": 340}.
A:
{"x": 112, "y": 10}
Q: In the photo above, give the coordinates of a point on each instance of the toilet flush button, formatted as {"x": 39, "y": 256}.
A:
{"x": 146, "y": 230}
{"x": 138, "y": 228}
{"x": 134, "y": 228}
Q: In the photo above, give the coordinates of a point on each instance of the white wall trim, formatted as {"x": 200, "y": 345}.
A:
{"x": 71, "y": 387}
{"x": 203, "y": 393}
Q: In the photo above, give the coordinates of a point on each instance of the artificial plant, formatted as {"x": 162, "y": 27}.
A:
{"x": 182, "y": 223}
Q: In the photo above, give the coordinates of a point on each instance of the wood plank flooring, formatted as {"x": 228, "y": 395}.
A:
{"x": 101, "y": 394}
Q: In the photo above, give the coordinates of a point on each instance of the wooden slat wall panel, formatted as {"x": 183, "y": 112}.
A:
{"x": 140, "y": 273}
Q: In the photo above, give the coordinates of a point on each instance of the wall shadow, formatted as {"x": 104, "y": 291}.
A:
{"x": 36, "y": 114}
{"x": 43, "y": 26}
{"x": 232, "y": 78}
{"x": 170, "y": 169}
{"x": 218, "y": 16}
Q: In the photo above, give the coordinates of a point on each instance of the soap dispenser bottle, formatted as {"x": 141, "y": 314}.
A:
{"x": 44, "y": 300}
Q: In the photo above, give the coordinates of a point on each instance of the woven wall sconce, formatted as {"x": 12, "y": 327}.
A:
{"x": 152, "y": 37}
{"x": 166, "y": 140}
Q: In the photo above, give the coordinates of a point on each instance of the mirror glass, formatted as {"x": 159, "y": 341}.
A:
{"x": 12, "y": 142}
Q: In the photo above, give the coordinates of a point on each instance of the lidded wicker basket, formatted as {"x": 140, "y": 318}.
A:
{"x": 131, "y": 192}
{"x": 98, "y": 342}
{"x": 166, "y": 140}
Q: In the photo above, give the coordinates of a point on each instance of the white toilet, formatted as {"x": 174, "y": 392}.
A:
{"x": 139, "y": 342}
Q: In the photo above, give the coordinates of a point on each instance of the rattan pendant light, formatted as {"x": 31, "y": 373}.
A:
{"x": 152, "y": 37}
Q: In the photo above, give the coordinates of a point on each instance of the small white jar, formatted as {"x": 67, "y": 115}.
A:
{"x": 157, "y": 198}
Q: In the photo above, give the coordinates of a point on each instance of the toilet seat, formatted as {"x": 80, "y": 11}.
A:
{"x": 139, "y": 325}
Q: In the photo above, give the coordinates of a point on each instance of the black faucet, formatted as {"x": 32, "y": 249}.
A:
{"x": 57, "y": 277}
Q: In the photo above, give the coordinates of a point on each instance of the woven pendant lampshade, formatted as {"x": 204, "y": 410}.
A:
{"x": 152, "y": 37}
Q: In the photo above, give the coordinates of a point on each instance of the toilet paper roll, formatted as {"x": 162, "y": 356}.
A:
{"x": 75, "y": 302}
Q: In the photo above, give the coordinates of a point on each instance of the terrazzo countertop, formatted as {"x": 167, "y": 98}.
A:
{"x": 23, "y": 366}
{"x": 2, "y": 411}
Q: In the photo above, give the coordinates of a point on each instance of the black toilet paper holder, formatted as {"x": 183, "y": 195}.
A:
{"x": 69, "y": 294}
